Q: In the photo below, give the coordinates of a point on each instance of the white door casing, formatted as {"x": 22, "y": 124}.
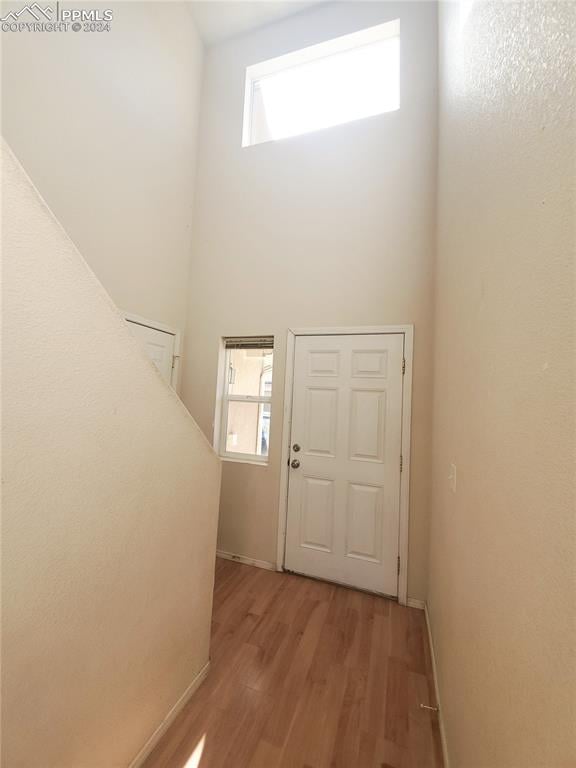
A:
{"x": 343, "y": 511}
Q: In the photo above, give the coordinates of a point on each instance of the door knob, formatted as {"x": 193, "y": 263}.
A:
{"x": 294, "y": 463}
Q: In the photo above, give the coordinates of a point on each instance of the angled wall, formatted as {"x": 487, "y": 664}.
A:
{"x": 503, "y": 546}
{"x": 110, "y": 503}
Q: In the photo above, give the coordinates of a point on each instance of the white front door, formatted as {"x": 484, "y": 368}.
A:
{"x": 157, "y": 345}
{"x": 344, "y": 478}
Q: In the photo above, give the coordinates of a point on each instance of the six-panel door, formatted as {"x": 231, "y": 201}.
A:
{"x": 344, "y": 491}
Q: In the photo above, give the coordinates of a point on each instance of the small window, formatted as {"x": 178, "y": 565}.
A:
{"x": 335, "y": 82}
{"x": 246, "y": 398}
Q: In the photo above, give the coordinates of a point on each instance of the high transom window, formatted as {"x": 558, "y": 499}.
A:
{"x": 338, "y": 81}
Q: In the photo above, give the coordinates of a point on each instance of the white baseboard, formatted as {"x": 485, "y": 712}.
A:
{"x": 437, "y": 691}
{"x": 170, "y": 717}
{"x": 246, "y": 560}
{"x": 412, "y": 602}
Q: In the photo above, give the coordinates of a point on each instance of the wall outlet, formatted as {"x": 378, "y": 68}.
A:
{"x": 452, "y": 478}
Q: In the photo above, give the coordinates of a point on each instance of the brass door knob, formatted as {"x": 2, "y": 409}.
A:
{"x": 294, "y": 463}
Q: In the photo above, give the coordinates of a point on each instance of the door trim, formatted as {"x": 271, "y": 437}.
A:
{"x": 155, "y": 326}
{"x": 408, "y": 332}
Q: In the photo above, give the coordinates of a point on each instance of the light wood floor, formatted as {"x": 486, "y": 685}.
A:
{"x": 307, "y": 675}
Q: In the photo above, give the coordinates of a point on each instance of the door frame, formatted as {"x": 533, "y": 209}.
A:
{"x": 408, "y": 332}
{"x": 155, "y": 326}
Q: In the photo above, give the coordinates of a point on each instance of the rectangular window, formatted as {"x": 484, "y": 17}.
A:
{"x": 335, "y": 82}
{"x": 246, "y": 398}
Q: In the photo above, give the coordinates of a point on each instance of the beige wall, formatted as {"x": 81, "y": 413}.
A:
{"x": 503, "y": 556}
{"x": 110, "y": 496}
{"x": 332, "y": 228}
{"x": 105, "y": 124}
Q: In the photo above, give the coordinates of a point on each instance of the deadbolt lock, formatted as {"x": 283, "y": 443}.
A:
{"x": 295, "y": 447}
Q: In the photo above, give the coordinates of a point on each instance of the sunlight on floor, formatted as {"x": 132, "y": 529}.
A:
{"x": 194, "y": 759}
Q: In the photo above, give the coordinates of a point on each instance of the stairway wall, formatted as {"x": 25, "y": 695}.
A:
{"x": 110, "y": 504}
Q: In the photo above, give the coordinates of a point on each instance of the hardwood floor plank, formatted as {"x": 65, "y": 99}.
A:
{"x": 347, "y": 743}
{"x": 306, "y": 674}
{"x": 373, "y": 720}
{"x": 265, "y": 755}
{"x": 396, "y": 719}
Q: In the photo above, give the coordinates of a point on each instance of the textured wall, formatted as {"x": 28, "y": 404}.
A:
{"x": 503, "y": 547}
{"x": 329, "y": 229}
{"x": 105, "y": 125}
{"x": 110, "y": 500}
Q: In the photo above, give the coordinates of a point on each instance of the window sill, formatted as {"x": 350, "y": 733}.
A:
{"x": 252, "y": 462}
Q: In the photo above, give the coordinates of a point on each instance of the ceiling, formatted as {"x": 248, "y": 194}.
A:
{"x": 219, "y": 19}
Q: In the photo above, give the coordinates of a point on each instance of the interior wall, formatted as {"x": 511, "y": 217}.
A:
{"x": 109, "y": 506}
{"x": 503, "y": 553}
{"x": 334, "y": 228}
{"x": 105, "y": 124}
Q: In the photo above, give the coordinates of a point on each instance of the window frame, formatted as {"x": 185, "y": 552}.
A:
{"x": 224, "y": 398}
{"x": 310, "y": 53}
